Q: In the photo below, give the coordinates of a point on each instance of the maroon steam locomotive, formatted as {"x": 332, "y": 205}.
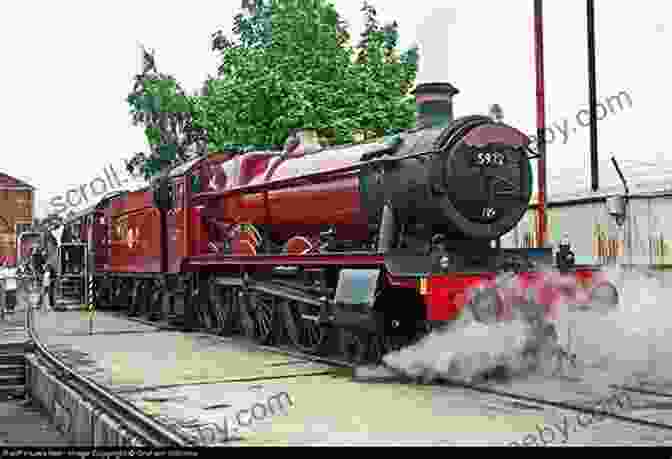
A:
{"x": 355, "y": 249}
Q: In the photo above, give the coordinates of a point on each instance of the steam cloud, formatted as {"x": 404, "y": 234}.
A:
{"x": 630, "y": 344}
{"x": 627, "y": 344}
{"x": 432, "y": 36}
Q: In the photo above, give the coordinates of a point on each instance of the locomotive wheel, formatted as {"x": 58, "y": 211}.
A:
{"x": 304, "y": 334}
{"x": 354, "y": 346}
{"x": 141, "y": 299}
{"x": 133, "y": 300}
{"x": 145, "y": 297}
{"x": 115, "y": 293}
{"x": 103, "y": 294}
{"x": 213, "y": 299}
{"x": 128, "y": 291}
{"x": 244, "y": 312}
{"x": 257, "y": 317}
{"x": 210, "y": 309}
{"x": 201, "y": 304}
{"x": 138, "y": 298}
{"x": 150, "y": 299}
{"x": 379, "y": 346}
{"x": 224, "y": 301}
{"x": 120, "y": 294}
{"x": 155, "y": 300}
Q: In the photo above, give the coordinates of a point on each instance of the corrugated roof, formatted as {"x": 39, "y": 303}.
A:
{"x": 9, "y": 182}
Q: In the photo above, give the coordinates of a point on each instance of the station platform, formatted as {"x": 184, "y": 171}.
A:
{"x": 191, "y": 382}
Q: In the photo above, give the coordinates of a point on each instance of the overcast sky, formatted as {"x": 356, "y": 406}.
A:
{"x": 69, "y": 65}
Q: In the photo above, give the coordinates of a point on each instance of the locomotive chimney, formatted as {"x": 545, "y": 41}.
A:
{"x": 434, "y": 104}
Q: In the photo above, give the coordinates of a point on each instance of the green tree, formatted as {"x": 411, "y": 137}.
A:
{"x": 159, "y": 104}
{"x": 289, "y": 66}
{"x": 387, "y": 74}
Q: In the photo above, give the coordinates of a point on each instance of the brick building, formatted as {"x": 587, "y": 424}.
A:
{"x": 16, "y": 214}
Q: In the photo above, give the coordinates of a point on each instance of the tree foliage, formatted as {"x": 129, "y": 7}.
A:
{"x": 289, "y": 65}
{"x": 159, "y": 104}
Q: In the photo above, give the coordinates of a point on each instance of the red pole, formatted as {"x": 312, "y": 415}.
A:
{"x": 541, "y": 122}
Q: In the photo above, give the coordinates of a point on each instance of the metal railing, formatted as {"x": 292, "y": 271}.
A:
{"x": 141, "y": 426}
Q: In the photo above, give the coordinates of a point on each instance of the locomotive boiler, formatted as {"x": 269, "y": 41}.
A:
{"x": 463, "y": 180}
{"x": 353, "y": 250}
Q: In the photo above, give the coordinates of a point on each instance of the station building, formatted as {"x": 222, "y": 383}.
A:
{"x": 16, "y": 214}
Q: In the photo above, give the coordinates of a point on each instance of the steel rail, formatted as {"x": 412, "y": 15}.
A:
{"x": 475, "y": 387}
{"x": 140, "y": 425}
{"x": 484, "y": 389}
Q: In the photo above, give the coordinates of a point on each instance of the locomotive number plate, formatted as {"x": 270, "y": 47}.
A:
{"x": 489, "y": 159}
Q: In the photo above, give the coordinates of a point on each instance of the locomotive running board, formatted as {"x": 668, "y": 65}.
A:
{"x": 327, "y": 316}
{"x": 328, "y": 259}
{"x": 355, "y": 287}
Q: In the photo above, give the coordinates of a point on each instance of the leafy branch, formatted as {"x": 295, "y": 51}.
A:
{"x": 288, "y": 65}
{"x": 159, "y": 103}
{"x": 302, "y": 75}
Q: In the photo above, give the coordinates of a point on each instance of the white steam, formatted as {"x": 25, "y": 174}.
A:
{"x": 464, "y": 353}
{"x": 628, "y": 344}
{"x": 469, "y": 350}
{"x": 432, "y": 34}
{"x": 632, "y": 343}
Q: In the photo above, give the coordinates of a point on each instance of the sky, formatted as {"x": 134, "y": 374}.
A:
{"x": 67, "y": 67}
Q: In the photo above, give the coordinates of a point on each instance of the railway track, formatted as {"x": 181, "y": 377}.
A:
{"x": 152, "y": 433}
{"x": 147, "y": 431}
{"x": 655, "y": 399}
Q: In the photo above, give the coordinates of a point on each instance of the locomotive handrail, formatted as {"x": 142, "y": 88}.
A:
{"x": 345, "y": 258}
{"x": 315, "y": 176}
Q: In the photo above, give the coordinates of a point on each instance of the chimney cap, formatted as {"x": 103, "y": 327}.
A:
{"x": 436, "y": 88}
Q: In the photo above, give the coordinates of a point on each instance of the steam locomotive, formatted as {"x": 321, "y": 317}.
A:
{"x": 354, "y": 250}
